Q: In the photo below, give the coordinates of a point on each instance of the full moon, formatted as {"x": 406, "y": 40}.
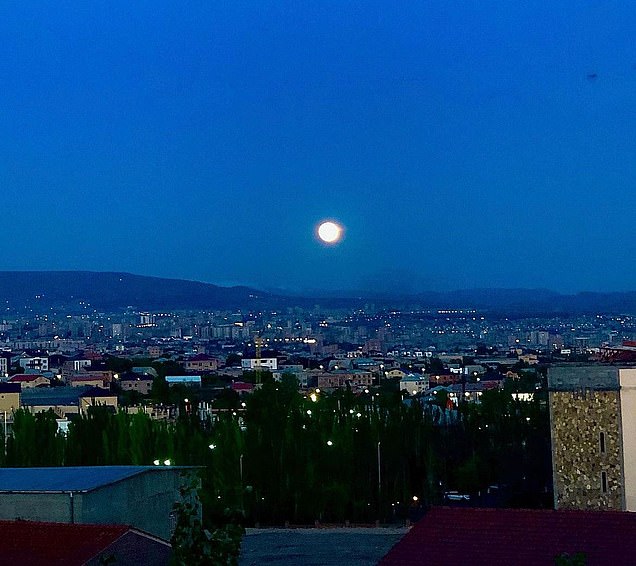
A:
{"x": 329, "y": 232}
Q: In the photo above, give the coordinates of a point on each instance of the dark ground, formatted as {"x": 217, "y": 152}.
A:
{"x": 318, "y": 547}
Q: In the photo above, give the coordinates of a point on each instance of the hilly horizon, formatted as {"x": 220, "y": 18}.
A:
{"x": 118, "y": 290}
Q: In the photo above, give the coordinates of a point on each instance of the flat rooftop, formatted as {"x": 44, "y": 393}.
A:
{"x": 65, "y": 479}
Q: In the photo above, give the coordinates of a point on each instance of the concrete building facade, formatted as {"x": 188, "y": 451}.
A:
{"x": 589, "y": 431}
{"x": 139, "y": 496}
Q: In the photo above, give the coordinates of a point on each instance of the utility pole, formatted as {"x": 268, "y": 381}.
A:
{"x": 379, "y": 483}
{"x": 258, "y": 344}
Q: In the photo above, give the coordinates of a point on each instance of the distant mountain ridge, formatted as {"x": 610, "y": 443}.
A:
{"x": 112, "y": 290}
{"x": 108, "y": 290}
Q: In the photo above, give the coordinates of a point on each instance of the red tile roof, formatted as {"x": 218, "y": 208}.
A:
{"x": 52, "y": 544}
{"x": 519, "y": 537}
{"x": 241, "y": 386}
{"x": 24, "y": 377}
{"x": 201, "y": 358}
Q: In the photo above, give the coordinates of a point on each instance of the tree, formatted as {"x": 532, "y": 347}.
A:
{"x": 192, "y": 544}
{"x": 233, "y": 360}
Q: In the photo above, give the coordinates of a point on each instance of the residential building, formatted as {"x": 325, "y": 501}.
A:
{"x": 470, "y": 392}
{"x": 145, "y": 370}
{"x": 337, "y": 379}
{"x": 5, "y": 364}
{"x": 445, "y": 379}
{"x": 39, "y": 363}
{"x": 29, "y": 380}
{"x": 189, "y": 380}
{"x": 414, "y": 383}
{"x": 155, "y": 351}
{"x": 262, "y": 363}
{"x": 201, "y": 362}
{"x": 395, "y": 372}
{"x": 136, "y": 382}
{"x": 76, "y": 365}
{"x": 84, "y": 380}
{"x": 66, "y": 400}
{"x": 9, "y": 397}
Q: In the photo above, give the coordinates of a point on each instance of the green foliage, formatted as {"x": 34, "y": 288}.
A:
{"x": 577, "y": 559}
{"x": 193, "y": 544}
{"x": 233, "y": 360}
{"x": 298, "y": 458}
{"x": 34, "y": 440}
{"x": 254, "y": 376}
{"x": 118, "y": 365}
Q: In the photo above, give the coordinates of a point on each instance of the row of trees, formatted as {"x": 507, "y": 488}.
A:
{"x": 289, "y": 457}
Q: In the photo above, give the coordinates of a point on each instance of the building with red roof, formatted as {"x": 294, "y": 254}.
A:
{"x": 27, "y": 380}
{"x": 520, "y": 537}
{"x": 242, "y": 387}
{"x": 65, "y": 544}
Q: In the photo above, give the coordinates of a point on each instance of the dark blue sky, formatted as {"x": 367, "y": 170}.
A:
{"x": 462, "y": 144}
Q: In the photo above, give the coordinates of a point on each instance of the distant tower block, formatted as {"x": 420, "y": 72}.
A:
{"x": 593, "y": 429}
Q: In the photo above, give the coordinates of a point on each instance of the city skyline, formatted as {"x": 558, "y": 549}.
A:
{"x": 460, "y": 146}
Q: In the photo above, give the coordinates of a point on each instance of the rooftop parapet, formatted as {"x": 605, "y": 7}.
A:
{"x": 583, "y": 378}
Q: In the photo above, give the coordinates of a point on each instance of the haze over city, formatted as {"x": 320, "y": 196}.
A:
{"x": 460, "y": 144}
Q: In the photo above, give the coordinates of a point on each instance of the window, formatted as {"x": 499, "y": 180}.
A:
{"x": 604, "y": 482}
{"x": 602, "y": 442}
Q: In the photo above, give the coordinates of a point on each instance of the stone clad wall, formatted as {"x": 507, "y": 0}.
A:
{"x": 576, "y": 421}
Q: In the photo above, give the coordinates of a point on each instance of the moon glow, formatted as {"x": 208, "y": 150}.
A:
{"x": 329, "y": 232}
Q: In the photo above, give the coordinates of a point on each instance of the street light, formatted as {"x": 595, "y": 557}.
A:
{"x": 212, "y": 446}
{"x": 329, "y": 443}
{"x": 379, "y": 473}
{"x": 379, "y": 481}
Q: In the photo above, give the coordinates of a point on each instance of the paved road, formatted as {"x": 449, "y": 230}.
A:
{"x": 318, "y": 547}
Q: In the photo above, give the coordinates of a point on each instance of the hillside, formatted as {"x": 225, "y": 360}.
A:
{"x": 41, "y": 290}
{"x": 118, "y": 290}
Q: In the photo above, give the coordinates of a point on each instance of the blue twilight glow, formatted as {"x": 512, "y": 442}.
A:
{"x": 462, "y": 144}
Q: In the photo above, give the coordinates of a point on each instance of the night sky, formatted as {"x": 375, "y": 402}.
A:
{"x": 461, "y": 144}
